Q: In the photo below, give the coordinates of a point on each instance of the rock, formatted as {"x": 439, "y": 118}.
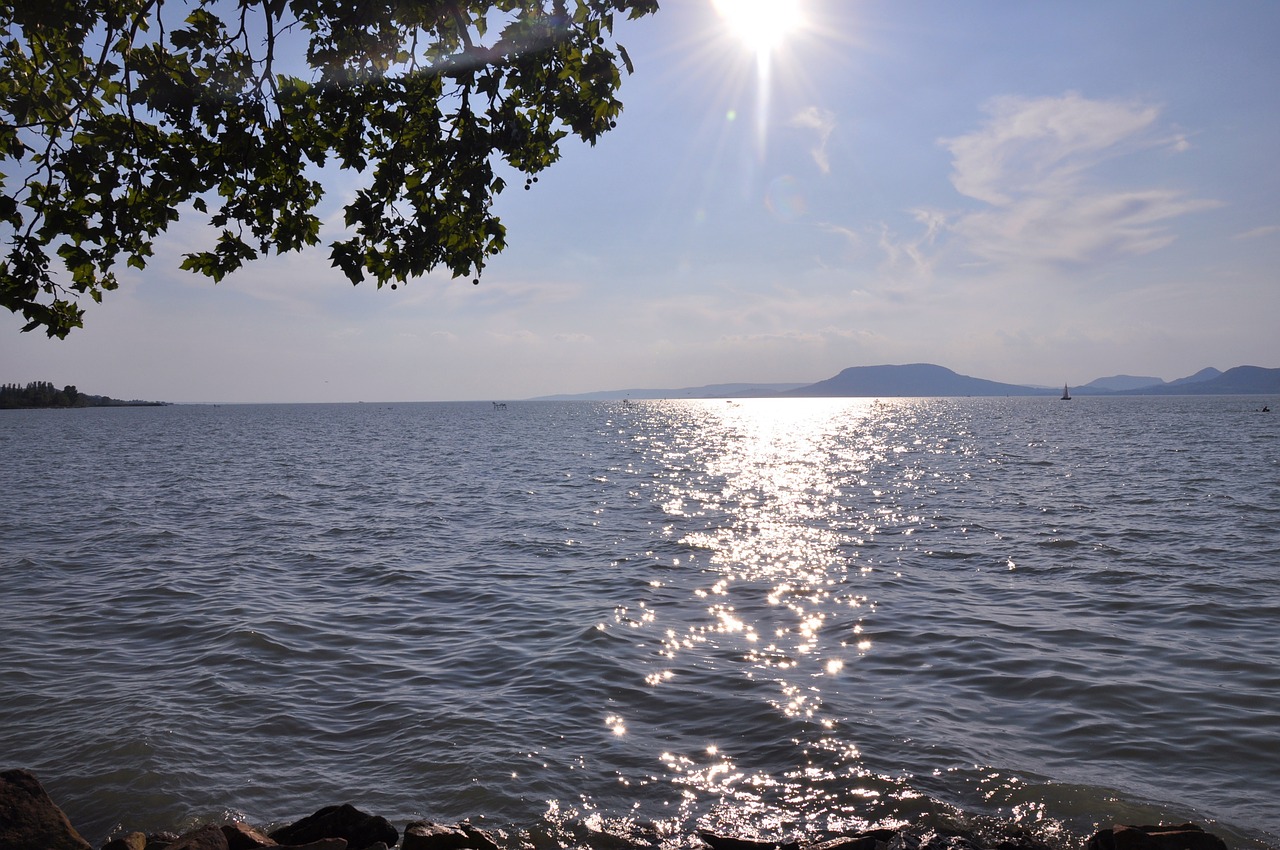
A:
{"x": 360, "y": 830}
{"x": 727, "y": 842}
{"x": 426, "y": 835}
{"x": 480, "y": 839}
{"x": 868, "y": 840}
{"x": 208, "y": 837}
{"x": 241, "y": 836}
{"x": 129, "y": 841}
{"x": 1006, "y": 836}
{"x": 944, "y": 841}
{"x": 853, "y": 842}
{"x": 904, "y": 840}
{"x": 29, "y": 820}
{"x": 1187, "y": 836}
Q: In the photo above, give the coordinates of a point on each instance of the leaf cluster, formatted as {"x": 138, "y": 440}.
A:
{"x": 115, "y": 115}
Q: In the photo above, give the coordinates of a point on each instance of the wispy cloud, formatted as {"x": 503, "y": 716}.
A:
{"x": 1076, "y": 229}
{"x": 823, "y": 123}
{"x": 909, "y": 261}
{"x": 1258, "y": 232}
{"x": 1041, "y": 145}
{"x": 1036, "y": 163}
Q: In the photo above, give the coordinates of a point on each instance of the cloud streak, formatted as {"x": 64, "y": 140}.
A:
{"x": 1258, "y": 232}
{"x": 1035, "y": 164}
{"x": 823, "y": 123}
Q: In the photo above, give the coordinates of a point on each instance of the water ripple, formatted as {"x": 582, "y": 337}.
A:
{"x": 571, "y": 618}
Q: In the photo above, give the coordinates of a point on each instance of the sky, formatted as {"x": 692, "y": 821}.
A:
{"x": 1037, "y": 193}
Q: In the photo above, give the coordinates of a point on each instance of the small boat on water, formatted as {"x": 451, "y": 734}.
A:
{"x": 1066, "y": 393}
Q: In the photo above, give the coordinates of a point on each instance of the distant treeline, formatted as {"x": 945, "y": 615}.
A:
{"x": 45, "y": 394}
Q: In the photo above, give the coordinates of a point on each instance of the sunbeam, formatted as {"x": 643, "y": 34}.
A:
{"x": 761, "y": 26}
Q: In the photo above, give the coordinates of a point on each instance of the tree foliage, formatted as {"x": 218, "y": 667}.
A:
{"x": 40, "y": 394}
{"x": 45, "y": 394}
{"x": 117, "y": 115}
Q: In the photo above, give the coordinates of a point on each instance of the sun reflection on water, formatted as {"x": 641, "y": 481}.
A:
{"x": 778, "y": 465}
{"x": 757, "y": 502}
{"x": 778, "y": 528}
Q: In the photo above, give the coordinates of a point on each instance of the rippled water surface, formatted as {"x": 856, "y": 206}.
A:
{"x": 567, "y": 620}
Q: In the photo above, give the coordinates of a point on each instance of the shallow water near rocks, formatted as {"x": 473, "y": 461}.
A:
{"x": 579, "y": 620}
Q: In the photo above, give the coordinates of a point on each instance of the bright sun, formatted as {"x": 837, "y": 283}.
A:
{"x": 760, "y": 24}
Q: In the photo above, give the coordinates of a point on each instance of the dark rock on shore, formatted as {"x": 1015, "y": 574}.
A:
{"x": 425, "y": 835}
{"x": 129, "y": 841}
{"x": 361, "y": 831}
{"x": 1187, "y": 836}
{"x": 29, "y": 820}
{"x": 729, "y": 842}
{"x": 209, "y": 837}
{"x": 241, "y": 836}
{"x": 862, "y": 841}
{"x": 906, "y": 838}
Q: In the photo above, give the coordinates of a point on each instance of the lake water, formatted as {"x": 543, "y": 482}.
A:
{"x": 574, "y": 622}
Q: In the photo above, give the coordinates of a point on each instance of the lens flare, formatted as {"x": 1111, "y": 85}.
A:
{"x": 784, "y": 198}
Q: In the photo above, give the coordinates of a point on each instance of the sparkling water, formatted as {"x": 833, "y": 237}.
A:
{"x": 579, "y": 622}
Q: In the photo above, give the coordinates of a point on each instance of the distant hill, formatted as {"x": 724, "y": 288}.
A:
{"x": 1133, "y": 383}
{"x": 916, "y": 379}
{"x": 926, "y": 379}
{"x": 1120, "y": 383}
{"x": 1242, "y": 380}
{"x": 1202, "y": 375}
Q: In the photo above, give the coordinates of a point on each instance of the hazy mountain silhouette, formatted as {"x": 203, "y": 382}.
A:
{"x": 928, "y": 380}
{"x": 1242, "y": 380}
{"x": 915, "y": 379}
{"x": 1202, "y": 375}
{"x": 1130, "y": 383}
{"x": 1120, "y": 383}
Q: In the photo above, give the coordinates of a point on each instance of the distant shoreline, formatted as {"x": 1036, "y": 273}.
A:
{"x": 926, "y": 380}
{"x": 110, "y": 402}
{"x": 42, "y": 395}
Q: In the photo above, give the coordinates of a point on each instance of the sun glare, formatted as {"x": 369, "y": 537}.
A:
{"x": 761, "y": 25}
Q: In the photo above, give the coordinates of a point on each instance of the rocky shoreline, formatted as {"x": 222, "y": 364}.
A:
{"x": 30, "y": 820}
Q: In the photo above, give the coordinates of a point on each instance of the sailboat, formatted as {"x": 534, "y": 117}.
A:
{"x": 1066, "y": 393}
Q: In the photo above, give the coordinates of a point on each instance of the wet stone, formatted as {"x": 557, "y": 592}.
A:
{"x": 129, "y": 841}
{"x": 427, "y": 835}
{"x": 717, "y": 841}
{"x": 29, "y": 820}
{"x": 360, "y": 830}
{"x": 1187, "y": 836}
{"x": 241, "y": 836}
{"x": 208, "y": 837}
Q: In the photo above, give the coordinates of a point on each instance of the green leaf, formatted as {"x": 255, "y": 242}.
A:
{"x": 112, "y": 145}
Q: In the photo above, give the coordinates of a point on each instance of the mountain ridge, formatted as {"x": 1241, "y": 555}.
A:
{"x": 929, "y": 380}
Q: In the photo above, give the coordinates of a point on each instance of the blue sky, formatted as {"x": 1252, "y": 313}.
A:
{"x": 1039, "y": 192}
